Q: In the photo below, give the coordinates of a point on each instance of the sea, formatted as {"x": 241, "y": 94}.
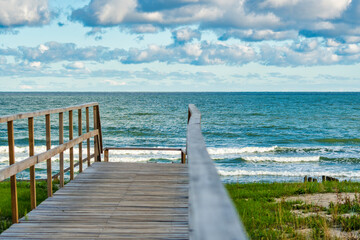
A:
{"x": 251, "y": 137}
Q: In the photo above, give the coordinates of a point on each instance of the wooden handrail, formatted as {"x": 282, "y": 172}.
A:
{"x": 212, "y": 214}
{"x": 44, "y": 112}
{"x": 30, "y": 161}
{"x": 183, "y": 151}
{"x": 16, "y": 167}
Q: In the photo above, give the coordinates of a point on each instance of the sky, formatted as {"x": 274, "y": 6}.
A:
{"x": 180, "y": 45}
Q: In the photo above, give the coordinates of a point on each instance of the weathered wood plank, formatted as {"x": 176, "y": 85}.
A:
{"x": 149, "y": 203}
{"x": 212, "y": 215}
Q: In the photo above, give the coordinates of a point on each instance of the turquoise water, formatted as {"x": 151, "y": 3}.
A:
{"x": 250, "y": 136}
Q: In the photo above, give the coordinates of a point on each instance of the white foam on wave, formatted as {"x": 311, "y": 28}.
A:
{"x": 226, "y": 151}
{"x": 281, "y": 159}
{"x": 287, "y": 173}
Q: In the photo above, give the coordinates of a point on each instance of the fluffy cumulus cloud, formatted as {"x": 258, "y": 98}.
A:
{"x": 249, "y": 20}
{"x": 15, "y": 13}
{"x": 304, "y": 52}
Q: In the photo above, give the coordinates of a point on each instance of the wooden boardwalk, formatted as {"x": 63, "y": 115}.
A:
{"x": 113, "y": 200}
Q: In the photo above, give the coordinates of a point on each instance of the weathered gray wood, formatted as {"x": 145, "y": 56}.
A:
{"x": 144, "y": 206}
{"x": 30, "y": 161}
{"x": 44, "y": 112}
{"x": 212, "y": 215}
{"x": 68, "y": 169}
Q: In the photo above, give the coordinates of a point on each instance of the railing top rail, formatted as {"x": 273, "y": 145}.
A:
{"x": 212, "y": 215}
{"x": 44, "y": 112}
{"x": 31, "y": 161}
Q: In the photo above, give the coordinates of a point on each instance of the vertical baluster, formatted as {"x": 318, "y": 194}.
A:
{"x": 183, "y": 157}
{"x": 87, "y": 130}
{"x": 14, "y": 200}
{"x": 99, "y": 127}
{"x": 96, "y": 138}
{"x": 48, "y": 162}
{"x": 61, "y": 141}
{"x": 80, "y": 144}
{"x": 71, "y": 135}
{"x": 106, "y": 155}
{"x": 32, "y": 168}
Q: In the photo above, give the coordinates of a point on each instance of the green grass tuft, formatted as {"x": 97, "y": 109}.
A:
{"x": 23, "y": 192}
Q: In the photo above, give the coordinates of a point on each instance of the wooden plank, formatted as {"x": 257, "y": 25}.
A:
{"x": 32, "y": 168}
{"x": 14, "y": 200}
{"x": 68, "y": 169}
{"x": 44, "y": 112}
{"x": 61, "y": 141}
{"x": 80, "y": 144}
{"x": 120, "y": 208}
{"x": 88, "y": 140}
{"x": 71, "y": 135}
{"x": 48, "y": 161}
{"x": 30, "y": 161}
{"x": 212, "y": 215}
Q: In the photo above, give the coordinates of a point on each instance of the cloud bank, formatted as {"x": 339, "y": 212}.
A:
{"x": 249, "y": 20}
{"x": 15, "y": 13}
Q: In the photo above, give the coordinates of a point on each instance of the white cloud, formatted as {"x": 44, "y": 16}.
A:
{"x": 113, "y": 82}
{"x": 23, "y": 12}
{"x": 35, "y": 64}
{"x": 25, "y": 87}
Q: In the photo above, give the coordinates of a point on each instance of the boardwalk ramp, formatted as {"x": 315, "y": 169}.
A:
{"x": 113, "y": 200}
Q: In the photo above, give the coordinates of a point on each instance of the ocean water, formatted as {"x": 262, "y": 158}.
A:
{"x": 251, "y": 137}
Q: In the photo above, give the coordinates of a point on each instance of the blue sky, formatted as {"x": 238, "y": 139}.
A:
{"x": 180, "y": 45}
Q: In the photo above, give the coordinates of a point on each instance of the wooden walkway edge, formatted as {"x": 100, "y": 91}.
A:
{"x": 113, "y": 201}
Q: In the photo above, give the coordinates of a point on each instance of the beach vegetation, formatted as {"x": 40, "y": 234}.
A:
{"x": 310, "y": 210}
{"x": 23, "y": 192}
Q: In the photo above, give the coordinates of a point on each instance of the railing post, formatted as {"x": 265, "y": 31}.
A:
{"x": 88, "y": 140}
{"x": 61, "y": 141}
{"x": 32, "y": 168}
{"x": 80, "y": 144}
{"x": 99, "y": 127}
{"x": 96, "y": 138}
{"x": 183, "y": 157}
{"x": 14, "y": 200}
{"x": 71, "y": 135}
{"x": 48, "y": 147}
{"x": 106, "y": 155}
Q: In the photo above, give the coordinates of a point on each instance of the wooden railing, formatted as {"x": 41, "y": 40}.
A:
{"x": 182, "y": 151}
{"x": 212, "y": 215}
{"x": 16, "y": 167}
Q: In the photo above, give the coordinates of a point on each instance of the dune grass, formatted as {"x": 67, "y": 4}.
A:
{"x": 266, "y": 217}
{"x": 23, "y": 191}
